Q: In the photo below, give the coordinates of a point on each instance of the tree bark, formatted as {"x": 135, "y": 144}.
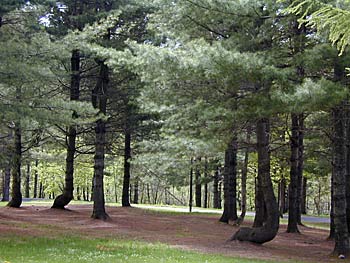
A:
{"x": 303, "y": 205}
{"x": 293, "y": 185}
{"x": 99, "y": 100}
{"x": 230, "y": 183}
{"x": 198, "y": 184}
{"x": 339, "y": 183}
{"x": 27, "y": 183}
{"x": 300, "y": 166}
{"x": 190, "y": 203}
{"x": 347, "y": 162}
{"x": 244, "y": 181}
{"x": 35, "y": 190}
{"x": 269, "y": 230}
{"x": 126, "y": 179}
{"x": 16, "y": 195}
{"x": 260, "y": 207}
{"x": 282, "y": 193}
{"x": 136, "y": 192}
{"x": 6, "y": 183}
{"x": 216, "y": 189}
{"x": 62, "y": 200}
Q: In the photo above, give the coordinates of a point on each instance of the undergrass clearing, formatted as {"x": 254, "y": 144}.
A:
{"x": 76, "y": 249}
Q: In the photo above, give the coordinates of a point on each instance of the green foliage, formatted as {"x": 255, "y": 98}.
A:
{"x": 335, "y": 20}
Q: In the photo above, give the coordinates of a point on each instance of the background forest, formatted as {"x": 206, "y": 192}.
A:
{"x": 240, "y": 105}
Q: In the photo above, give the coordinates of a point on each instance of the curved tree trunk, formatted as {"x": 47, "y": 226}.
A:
{"x": 339, "y": 183}
{"x": 293, "y": 185}
{"x": 16, "y": 194}
{"x": 99, "y": 99}
{"x": 230, "y": 177}
{"x": 269, "y": 230}
{"x": 62, "y": 200}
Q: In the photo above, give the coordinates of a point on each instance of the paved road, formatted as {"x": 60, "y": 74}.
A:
{"x": 308, "y": 219}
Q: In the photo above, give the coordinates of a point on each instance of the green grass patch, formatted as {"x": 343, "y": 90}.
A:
{"x": 75, "y": 249}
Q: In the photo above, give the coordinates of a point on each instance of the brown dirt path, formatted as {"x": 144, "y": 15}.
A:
{"x": 193, "y": 232}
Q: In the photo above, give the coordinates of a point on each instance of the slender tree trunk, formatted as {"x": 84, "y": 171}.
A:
{"x": 216, "y": 189}
{"x": 41, "y": 190}
{"x": 198, "y": 184}
{"x": 62, "y": 200}
{"x": 35, "y": 194}
{"x": 191, "y": 187}
{"x": 16, "y": 194}
{"x": 303, "y": 197}
{"x": 230, "y": 177}
{"x": 27, "y": 185}
{"x": 339, "y": 183}
{"x": 244, "y": 181}
{"x": 269, "y": 230}
{"x": 6, "y": 183}
{"x": 78, "y": 193}
{"x": 99, "y": 99}
{"x": 282, "y": 204}
{"x": 205, "y": 203}
{"x": 293, "y": 185}
{"x": 300, "y": 166}
{"x": 136, "y": 191}
{"x": 220, "y": 195}
{"x": 126, "y": 180}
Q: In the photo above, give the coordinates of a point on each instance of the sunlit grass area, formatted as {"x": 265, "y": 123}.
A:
{"x": 75, "y": 249}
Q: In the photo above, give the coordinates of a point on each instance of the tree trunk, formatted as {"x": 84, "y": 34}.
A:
{"x": 126, "y": 180}
{"x": 6, "y": 184}
{"x": 269, "y": 230}
{"x": 136, "y": 192}
{"x": 347, "y": 162}
{"x": 260, "y": 207}
{"x": 293, "y": 185}
{"x": 35, "y": 194}
{"x": 282, "y": 204}
{"x": 27, "y": 185}
{"x": 216, "y": 189}
{"x": 331, "y": 225}
{"x": 190, "y": 203}
{"x": 339, "y": 183}
{"x": 244, "y": 181}
{"x": 300, "y": 166}
{"x": 303, "y": 205}
{"x": 41, "y": 190}
{"x": 220, "y": 195}
{"x": 230, "y": 177}
{"x": 99, "y": 100}
{"x": 198, "y": 184}
{"x": 205, "y": 203}
{"x": 62, "y": 200}
{"x": 16, "y": 194}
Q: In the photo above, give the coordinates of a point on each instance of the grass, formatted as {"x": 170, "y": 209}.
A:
{"x": 76, "y": 249}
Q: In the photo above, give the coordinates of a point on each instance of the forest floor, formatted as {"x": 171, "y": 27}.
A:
{"x": 198, "y": 232}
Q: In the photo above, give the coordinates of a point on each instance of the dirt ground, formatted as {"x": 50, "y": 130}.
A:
{"x": 192, "y": 232}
